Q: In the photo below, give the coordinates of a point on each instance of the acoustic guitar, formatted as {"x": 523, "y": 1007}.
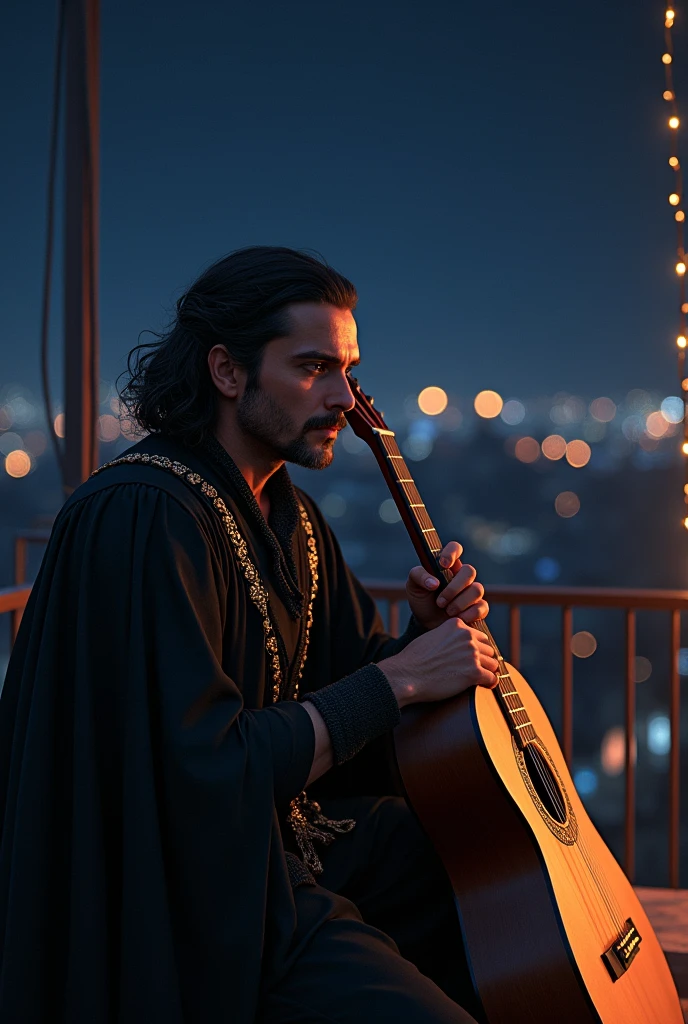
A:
{"x": 553, "y": 930}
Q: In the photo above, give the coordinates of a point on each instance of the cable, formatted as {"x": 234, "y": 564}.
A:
{"x": 47, "y": 272}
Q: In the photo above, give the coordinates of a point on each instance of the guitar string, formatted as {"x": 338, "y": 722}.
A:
{"x": 552, "y": 791}
{"x": 418, "y": 509}
{"x": 592, "y": 867}
{"x": 601, "y": 914}
{"x": 559, "y": 807}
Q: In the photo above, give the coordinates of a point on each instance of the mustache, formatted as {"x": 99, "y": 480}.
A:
{"x": 334, "y": 422}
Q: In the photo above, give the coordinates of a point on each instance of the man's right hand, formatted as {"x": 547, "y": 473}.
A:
{"x": 441, "y": 663}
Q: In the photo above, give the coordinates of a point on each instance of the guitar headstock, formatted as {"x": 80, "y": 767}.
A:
{"x": 363, "y": 418}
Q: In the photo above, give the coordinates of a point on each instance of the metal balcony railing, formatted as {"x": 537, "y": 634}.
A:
{"x": 672, "y": 602}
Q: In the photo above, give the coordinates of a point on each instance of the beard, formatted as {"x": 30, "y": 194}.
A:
{"x": 262, "y": 417}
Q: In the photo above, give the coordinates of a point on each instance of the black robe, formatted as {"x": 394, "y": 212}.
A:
{"x": 144, "y": 775}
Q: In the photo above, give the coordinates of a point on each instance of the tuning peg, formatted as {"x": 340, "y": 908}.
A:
{"x": 370, "y": 399}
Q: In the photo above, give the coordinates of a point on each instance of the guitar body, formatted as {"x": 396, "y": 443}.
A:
{"x": 539, "y": 900}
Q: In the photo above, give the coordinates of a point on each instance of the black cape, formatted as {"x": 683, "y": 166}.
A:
{"x": 143, "y": 774}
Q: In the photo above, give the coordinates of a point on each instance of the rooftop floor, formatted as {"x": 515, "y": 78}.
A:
{"x": 668, "y": 913}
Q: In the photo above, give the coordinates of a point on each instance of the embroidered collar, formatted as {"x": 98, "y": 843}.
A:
{"x": 279, "y": 534}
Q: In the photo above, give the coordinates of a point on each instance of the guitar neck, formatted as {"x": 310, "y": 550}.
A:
{"x": 411, "y": 507}
{"x": 428, "y": 545}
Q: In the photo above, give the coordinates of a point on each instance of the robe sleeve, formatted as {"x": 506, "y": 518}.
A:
{"x": 140, "y": 842}
{"x": 360, "y": 705}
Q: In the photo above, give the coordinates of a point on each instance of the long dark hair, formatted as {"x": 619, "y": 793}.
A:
{"x": 240, "y": 302}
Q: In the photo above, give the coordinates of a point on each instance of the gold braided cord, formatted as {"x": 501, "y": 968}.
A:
{"x": 305, "y": 815}
{"x": 676, "y": 202}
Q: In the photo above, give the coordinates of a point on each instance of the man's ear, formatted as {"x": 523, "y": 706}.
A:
{"x": 228, "y": 377}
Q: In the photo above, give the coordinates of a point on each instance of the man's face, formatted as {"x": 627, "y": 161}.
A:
{"x": 297, "y": 408}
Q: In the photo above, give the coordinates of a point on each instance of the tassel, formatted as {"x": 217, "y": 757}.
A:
{"x": 308, "y": 821}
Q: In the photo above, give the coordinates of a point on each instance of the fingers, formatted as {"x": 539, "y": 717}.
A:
{"x": 487, "y": 665}
{"x": 461, "y": 591}
{"x": 420, "y": 581}
{"x": 488, "y": 679}
{"x": 480, "y": 610}
{"x": 450, "y": 555}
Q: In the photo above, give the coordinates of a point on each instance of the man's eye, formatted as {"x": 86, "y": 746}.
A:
{"x": 316, "y": 367}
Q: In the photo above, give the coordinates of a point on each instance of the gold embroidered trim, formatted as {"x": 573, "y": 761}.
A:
{"x": 305, "y": 816}
{"x": 256, "y": 590}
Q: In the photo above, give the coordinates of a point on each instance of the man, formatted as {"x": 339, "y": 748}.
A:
{"x": 159, "y": 858}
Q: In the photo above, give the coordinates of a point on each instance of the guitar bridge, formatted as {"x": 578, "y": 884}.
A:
{"x": 619, "y": 957}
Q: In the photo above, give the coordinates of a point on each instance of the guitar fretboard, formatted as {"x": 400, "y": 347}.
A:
{"x": 413, "y": 501}
{"x": 408, "y": 498}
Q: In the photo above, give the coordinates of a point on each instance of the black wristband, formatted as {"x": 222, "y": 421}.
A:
{"x": 356, "y": 709}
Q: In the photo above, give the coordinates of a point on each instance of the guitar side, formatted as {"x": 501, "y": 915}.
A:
{"x": 531, "y": 906}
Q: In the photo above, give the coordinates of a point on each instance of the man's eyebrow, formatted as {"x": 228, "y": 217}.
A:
{"x": 324, "y": 357}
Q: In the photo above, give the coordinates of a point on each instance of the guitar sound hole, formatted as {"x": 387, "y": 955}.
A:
{"x": 545, "y": 783}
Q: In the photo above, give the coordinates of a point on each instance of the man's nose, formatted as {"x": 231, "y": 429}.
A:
{"x": 341, "y": 396}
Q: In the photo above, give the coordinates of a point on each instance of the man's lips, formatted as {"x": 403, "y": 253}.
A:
{"x": 330, "y": 431}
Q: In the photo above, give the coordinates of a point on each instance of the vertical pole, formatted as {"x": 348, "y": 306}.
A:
{"x": 567, "y": 684}
{"x": 81, "y": 240}
{"x": 515, "y": 635}
{"x": 675, "y": 752}
{"x": 629, "y": 844}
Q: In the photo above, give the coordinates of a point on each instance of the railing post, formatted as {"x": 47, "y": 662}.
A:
{"x": 20, "y": 546}
{"x": 567, "y": 684}
{"x": 675, "y": 752}
{"x": 394, "y": 618}
{"x": 15, "y": 622}
{"x": 629, "y": 839}
{"x": 515, "y": 635}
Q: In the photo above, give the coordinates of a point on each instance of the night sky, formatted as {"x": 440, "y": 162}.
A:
{"x": 493, "y": 177}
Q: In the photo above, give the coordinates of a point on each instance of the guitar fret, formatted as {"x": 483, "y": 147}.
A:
{"x": 524, "y": 726}
{"x": 417, "y": 504}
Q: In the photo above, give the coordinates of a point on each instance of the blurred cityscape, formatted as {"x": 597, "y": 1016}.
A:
{"x": 562, "y": 489}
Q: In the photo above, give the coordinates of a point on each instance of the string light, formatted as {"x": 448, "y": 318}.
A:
{"x": 675, "y": 198}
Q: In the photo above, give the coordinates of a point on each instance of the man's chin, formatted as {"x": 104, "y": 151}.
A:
{"x": 313, "y": 456}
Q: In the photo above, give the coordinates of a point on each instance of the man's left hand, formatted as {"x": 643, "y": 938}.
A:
{"x": 462, "y": 598}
